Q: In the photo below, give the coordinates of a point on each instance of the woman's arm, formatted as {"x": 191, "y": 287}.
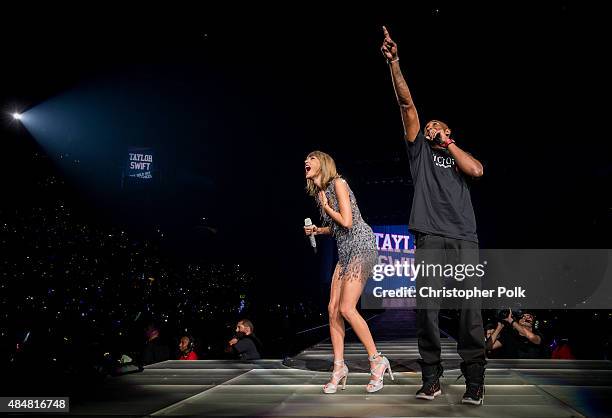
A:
{"x": 316, "y": 230}
{"x": 344, "y": 217}
{"x": 323, "y": 230}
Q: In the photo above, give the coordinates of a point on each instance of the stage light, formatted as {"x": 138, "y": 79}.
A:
{"x": 17, "y": 116}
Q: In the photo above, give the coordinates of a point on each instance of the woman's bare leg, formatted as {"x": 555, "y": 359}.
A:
{"x": 351, "y": 291}
{"x": 336, "y": 322}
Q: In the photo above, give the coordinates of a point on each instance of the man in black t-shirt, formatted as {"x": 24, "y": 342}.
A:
{"x": 443, "y": 221}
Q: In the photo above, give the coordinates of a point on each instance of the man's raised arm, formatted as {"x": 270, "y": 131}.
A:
{"x": 410, "y": 118}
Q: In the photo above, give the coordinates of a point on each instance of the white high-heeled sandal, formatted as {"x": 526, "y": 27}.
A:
{"x": 376, "y": 381}
{"x": 337, "y": 376}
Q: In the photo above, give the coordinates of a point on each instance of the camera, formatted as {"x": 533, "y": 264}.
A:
{"x": 503, "y": 314}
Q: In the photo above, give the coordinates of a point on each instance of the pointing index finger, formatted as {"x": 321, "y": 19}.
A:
{"x": 386, "y": 32}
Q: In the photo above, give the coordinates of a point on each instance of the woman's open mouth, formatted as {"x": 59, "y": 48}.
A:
{"x": 307, "y": 168}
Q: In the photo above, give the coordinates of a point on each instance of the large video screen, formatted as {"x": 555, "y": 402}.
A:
{"x": 391, "y": 280}
{"x": 140, "y": 163}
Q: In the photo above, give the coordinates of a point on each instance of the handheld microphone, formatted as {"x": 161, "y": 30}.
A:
{"x": 313, "y": 242}
{"x": 437, "y": 139}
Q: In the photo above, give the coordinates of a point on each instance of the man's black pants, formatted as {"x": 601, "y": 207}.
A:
{"x": 436, "y": 250}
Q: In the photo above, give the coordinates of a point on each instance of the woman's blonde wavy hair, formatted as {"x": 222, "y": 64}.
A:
{"x": 328, "y": 172}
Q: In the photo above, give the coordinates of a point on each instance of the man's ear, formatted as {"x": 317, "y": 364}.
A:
{"x": 447, "y": 132}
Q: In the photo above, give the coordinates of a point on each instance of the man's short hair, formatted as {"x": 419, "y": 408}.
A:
{"x": 248, "y": 323}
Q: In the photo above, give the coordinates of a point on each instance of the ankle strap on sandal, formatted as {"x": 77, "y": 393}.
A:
{"x": 374, "y": 356}
{"x": 339, "y": 362}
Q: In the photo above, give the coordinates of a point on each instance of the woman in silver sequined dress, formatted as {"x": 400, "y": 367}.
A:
{"x": 357, "y": 255}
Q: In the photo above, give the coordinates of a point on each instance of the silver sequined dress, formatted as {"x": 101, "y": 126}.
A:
{"x": 357, "y": 252}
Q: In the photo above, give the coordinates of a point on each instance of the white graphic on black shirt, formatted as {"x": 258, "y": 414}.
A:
{"x": 443, "y": 161}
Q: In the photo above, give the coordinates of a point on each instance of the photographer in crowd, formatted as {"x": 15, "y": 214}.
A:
{"x": 514, "y": 338}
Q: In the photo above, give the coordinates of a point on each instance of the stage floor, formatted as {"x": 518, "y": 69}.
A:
{"x": 525, "y": 388}
{"x": 293, "y": 388}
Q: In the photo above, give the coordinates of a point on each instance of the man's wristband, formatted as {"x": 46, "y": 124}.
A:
{"x": 390, "y": 61}
{"x": 446, "y": 143}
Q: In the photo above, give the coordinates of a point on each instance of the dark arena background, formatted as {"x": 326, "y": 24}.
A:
{"x": 153, "y": 185}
